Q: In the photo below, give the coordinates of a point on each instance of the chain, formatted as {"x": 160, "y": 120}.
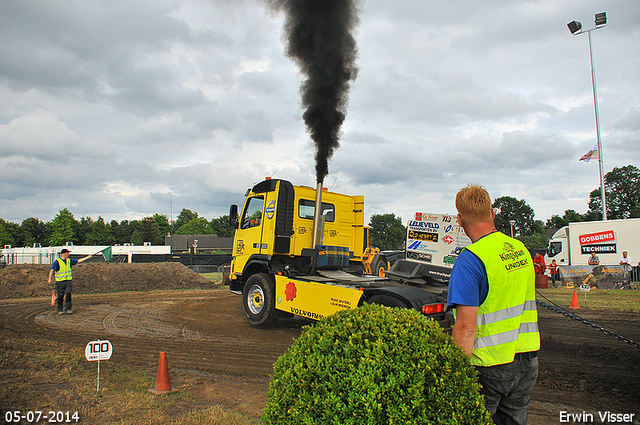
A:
{"x": 558, "y": 309}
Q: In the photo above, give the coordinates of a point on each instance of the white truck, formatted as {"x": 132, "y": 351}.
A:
{"x": 432, "y": 246}
{"x": 572, "y": 245}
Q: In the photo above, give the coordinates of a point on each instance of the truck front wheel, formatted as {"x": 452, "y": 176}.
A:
{"x": 258, "y": 299}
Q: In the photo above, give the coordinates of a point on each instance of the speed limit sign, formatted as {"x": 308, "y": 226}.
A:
{"x": 98, "y": 350}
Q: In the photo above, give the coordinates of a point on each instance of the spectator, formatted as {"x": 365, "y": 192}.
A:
{"x": 594, "y": 260}
{"x": 553, "y": 272}
{"x": 625, "y": 262}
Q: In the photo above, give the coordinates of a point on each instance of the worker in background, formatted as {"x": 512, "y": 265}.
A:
{"x": 492, "y": 290}
{"x": 538, "y": 263}
{"x": 61, "y": 268}
{"x": 593, "y": 259}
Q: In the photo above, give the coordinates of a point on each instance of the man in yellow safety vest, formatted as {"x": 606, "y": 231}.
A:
{"x": 61, "y": 269}
{"x": 492, "y": 289}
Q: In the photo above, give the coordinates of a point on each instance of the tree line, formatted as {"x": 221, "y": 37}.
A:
{"x": 622, "y": 188}
{"x": 66, "y": 228}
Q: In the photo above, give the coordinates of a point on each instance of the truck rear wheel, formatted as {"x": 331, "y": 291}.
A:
{"x": 258, "y": 300}
{"x": 379, "y": 267}
{"x": 386, "y": 300}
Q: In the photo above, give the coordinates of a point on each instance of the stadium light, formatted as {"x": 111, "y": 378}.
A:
{"x": 576, "y": 29}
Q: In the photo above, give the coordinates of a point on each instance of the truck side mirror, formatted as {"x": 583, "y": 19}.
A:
{"x": 233, "y": 216}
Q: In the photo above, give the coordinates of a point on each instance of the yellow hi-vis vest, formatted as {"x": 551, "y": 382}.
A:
{"x": 507, "y": 320}
{"x": 65, "y": 270}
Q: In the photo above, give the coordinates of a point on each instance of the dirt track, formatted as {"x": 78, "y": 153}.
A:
{"x": 218, "y": 358}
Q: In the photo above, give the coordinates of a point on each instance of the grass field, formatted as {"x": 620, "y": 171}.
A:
{"x": 622, "y": 300}
{"x": 215, "y": 277}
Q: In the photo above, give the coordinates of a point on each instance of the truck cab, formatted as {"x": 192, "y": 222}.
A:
{"x": 274, "y": 231}
{"x": 558, "y": 248}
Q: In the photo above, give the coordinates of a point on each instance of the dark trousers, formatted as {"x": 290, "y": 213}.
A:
{"x": 64, "y": 295}
{"x": 507, "y": 389}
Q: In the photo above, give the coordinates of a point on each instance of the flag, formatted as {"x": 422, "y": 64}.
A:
{"x": 106, "y": 253}
{"x": 592, "y": 154}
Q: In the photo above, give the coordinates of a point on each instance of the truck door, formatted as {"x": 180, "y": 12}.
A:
{"x": 249, "y": 239}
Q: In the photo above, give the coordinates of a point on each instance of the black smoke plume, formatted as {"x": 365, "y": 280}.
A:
{"x": 320, "y": 41}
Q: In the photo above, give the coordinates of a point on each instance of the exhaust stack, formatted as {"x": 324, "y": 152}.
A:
{"x": 318, "y": 222}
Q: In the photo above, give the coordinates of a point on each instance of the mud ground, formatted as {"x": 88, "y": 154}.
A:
{"x": 218, "y": 358}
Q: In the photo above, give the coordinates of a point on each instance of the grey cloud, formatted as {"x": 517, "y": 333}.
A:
{"x": 44, "y": 136}
{"x": 444, "y": 99}
{"x": 518, "y": 150}
{"x": 39, "y": 135}
{"x": 71, "y": 38}
{"x": 372, "y": 160}
{"x": 631, "y": 121}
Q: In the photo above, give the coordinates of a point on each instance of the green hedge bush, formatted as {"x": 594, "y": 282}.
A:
{"x": 374, "y": 365}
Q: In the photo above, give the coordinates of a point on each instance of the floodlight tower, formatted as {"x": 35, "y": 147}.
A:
{"x": 576, "y": 29}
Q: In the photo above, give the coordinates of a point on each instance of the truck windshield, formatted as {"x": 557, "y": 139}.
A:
{"x": 253, "y": 212}
{"x": 554, "y": 249}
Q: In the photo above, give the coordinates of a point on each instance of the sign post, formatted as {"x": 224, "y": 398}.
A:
{"x": 96, "y": 351}
{"x": 585, "y": 287}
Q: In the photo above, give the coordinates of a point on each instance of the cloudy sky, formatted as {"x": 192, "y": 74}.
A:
{"x": 123, "y": 109}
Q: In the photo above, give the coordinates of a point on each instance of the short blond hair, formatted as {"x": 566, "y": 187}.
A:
{"x": 474, "y": 204}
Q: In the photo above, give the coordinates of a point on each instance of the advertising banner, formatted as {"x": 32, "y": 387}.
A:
{"x": 599, "y": 237}
{"x": 599, "y": 242}
{"x": 435, "y": 239}
{"x": 601, "y": 277}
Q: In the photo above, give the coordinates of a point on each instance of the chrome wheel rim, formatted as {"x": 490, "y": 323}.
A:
{"x": 255, "y": 300}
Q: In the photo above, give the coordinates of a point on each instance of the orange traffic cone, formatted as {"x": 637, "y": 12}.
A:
{"x": 53, "y": 297}
{"x": 163, "y": 384}
{"x": 574, "y": 301}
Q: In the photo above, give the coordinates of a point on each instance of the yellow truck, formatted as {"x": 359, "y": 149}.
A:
{"x": 304, "y": 251}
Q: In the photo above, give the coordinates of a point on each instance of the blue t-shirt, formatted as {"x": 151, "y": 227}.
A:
{"x": 56, "y": 265}
{"x": 468, "y": 284}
